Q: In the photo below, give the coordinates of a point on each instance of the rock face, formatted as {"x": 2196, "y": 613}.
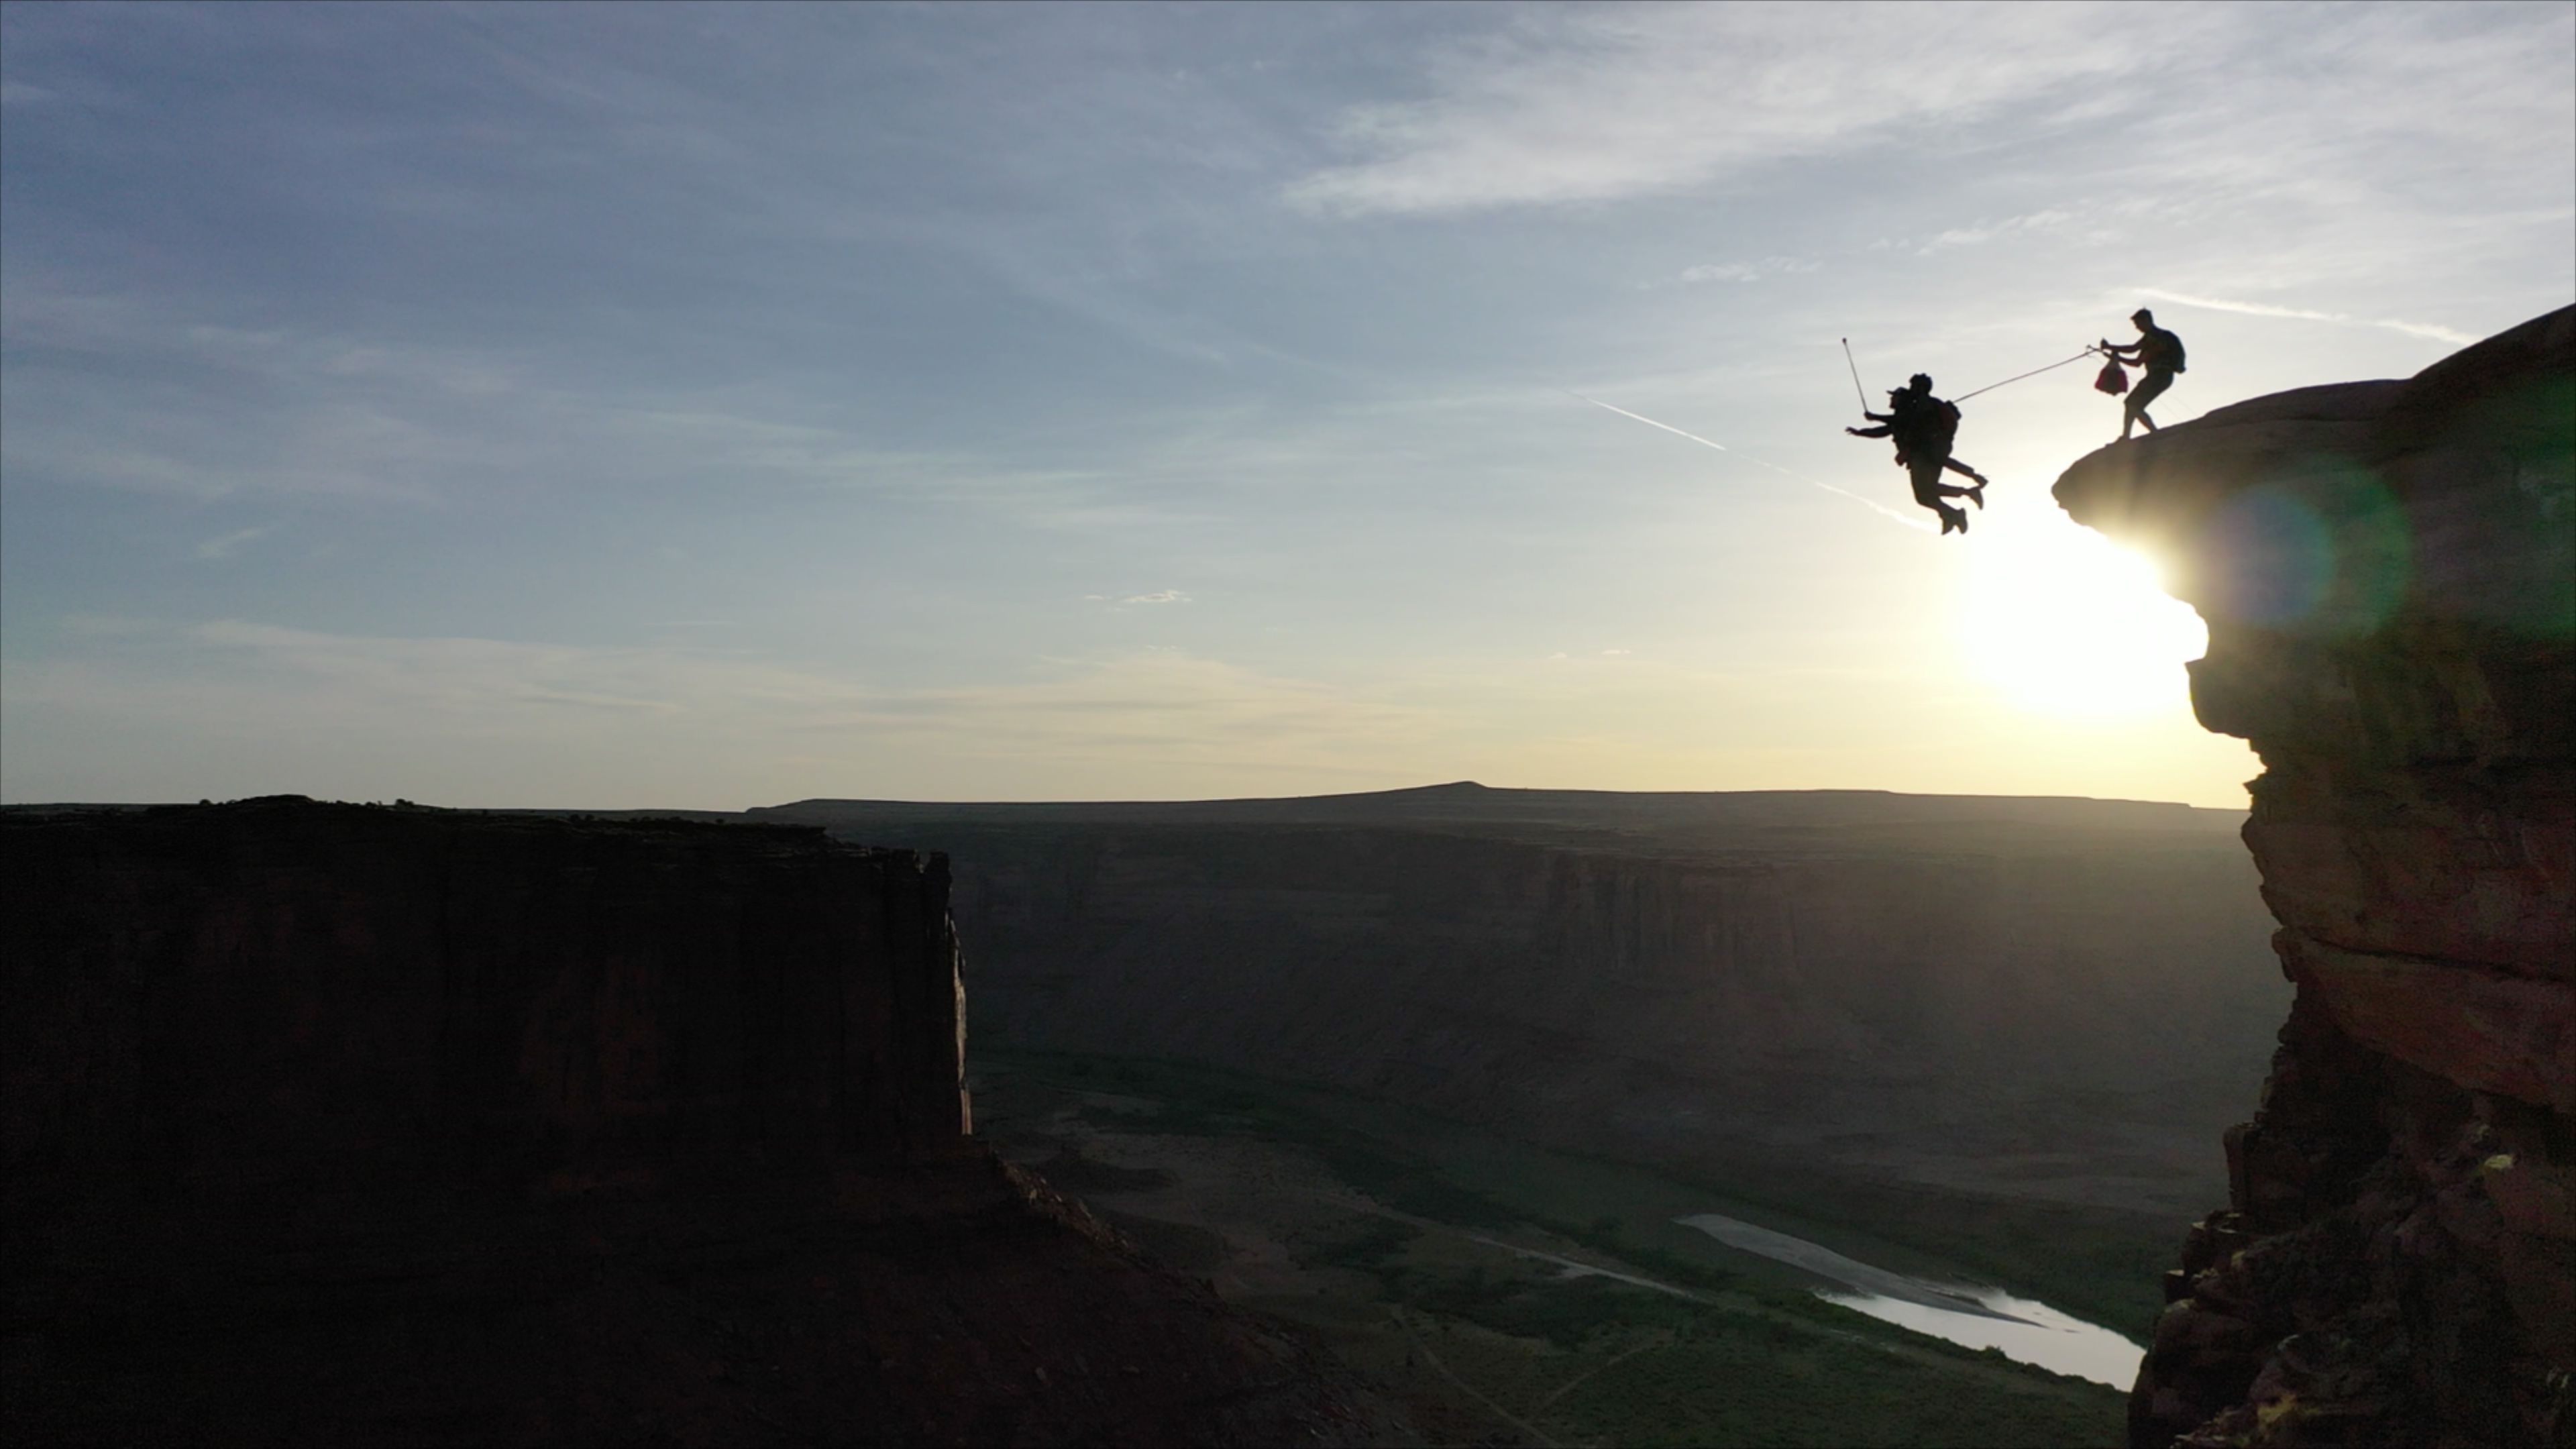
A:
{"x": 2054, "y": 999}
{"x": 355, "y": 1125}
{"x": 2388, "y": 570}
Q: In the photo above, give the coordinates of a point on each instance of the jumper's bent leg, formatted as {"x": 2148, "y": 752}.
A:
{"x": 1929, "y": 493}
{"x": 2147, "y": 391}
{"x": 1976, "y": 495}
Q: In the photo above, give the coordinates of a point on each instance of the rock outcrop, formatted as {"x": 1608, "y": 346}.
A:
{"x": 2388, "y": 571}
{"x": 340, "y": 1124}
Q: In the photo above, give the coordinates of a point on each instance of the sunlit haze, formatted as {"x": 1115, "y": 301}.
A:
{"x": 2067, "y": 623}
{"x": 708, "y": 407}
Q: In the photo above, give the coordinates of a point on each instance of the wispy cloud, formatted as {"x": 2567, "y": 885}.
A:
{"x": 1749, "y": 271}
{"x": 1986, "y": 231}
{"x": 484, "y": 679}
{"x": 1157, "y": 598}
{"x": 2432, "y": 330}
{"x": 225, "y": 545}
{"x": 389, "y": 420}
{"x": 2415, "y": 114}
{"x": 1596, "y": 103}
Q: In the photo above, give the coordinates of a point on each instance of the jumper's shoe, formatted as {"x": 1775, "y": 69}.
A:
{"x": 1977, "y": 495}
{"x": 1963, "y": 518}
{"x": 1953, "y": 519}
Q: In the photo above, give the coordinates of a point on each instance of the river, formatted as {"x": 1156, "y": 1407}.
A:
{"x": 2018, "y": 1328}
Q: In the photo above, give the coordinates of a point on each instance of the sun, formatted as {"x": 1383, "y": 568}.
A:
{"x": 2063, "y": 621}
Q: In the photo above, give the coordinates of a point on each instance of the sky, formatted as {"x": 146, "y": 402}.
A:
{"x": 673, "y": 406}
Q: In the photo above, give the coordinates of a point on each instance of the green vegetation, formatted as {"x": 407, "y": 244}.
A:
{"x": 1570, "y": 1314}
{"x": 2099, "y": 1264}
{"x": 1361, "y": 1244}
{"x": 1481, "y": 1342}
{"x": 1195, "y": 1101}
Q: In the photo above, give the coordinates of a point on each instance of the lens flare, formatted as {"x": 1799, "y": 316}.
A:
{"x": 2329, "y": 552}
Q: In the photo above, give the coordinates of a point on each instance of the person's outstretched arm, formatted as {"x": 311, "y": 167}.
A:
{"x": 1877, "y": 432}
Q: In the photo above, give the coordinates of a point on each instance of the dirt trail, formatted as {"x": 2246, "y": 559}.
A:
{"x": 1579, "y": 1380}
{"x": 1464, "y": 1387}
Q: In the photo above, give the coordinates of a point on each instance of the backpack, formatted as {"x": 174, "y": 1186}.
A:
{"x": 1926, "y": 428}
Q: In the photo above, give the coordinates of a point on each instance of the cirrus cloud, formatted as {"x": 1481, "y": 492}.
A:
{"x": 1597, "y": 103}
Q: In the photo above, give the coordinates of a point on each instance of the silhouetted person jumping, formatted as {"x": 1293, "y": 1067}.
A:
{"x": 1924, "y": 427}
{"x": 2157, "y": 351}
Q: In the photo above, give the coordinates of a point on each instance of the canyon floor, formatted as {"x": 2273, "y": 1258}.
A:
{"x": 1503, "y": 1293}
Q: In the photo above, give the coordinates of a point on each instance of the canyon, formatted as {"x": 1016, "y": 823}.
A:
{"x": 402, "y": 1125}
{"x": 2388, "y": 572}
{"x": 2059, "y": 1000}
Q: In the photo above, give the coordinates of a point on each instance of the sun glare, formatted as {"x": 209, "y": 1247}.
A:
{"x": 2063, "y": 621}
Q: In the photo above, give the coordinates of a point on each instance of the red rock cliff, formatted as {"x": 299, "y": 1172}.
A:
{"x": 2388, "y": 571}
{"x": 335, "y": 1124}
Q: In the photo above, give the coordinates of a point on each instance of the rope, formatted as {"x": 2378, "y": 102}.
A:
{"x": 1855, "y": 372}
{"x": 2034, "y": 372}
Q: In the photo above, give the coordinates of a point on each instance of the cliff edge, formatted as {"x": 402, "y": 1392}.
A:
{"x": 2388, "y": 572}
{"x": 351, "y": 1125}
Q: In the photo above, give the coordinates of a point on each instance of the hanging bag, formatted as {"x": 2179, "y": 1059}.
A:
{"x": 2114, "y": 379}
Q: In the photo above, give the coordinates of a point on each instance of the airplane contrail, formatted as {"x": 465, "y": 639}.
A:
{"x": 1868, "y": 503}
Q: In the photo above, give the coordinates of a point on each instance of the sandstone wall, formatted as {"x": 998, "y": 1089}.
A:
{"x": 2388, "y": 570}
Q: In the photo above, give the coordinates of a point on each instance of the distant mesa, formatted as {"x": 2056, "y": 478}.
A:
{"x": 1469, "y": 801}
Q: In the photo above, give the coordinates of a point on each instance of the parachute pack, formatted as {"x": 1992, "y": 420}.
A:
{"x": 1926, "y": 428}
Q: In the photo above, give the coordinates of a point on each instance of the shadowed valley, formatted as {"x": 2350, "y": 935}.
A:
{"x": 2058, "y": 1000}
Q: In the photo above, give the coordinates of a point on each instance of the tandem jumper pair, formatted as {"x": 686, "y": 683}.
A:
{"x": 1925, "y": 427}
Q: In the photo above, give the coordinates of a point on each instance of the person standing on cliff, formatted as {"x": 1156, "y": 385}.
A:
{"x": 2157, "y": 351}
{"x": 1924, "y": 428}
